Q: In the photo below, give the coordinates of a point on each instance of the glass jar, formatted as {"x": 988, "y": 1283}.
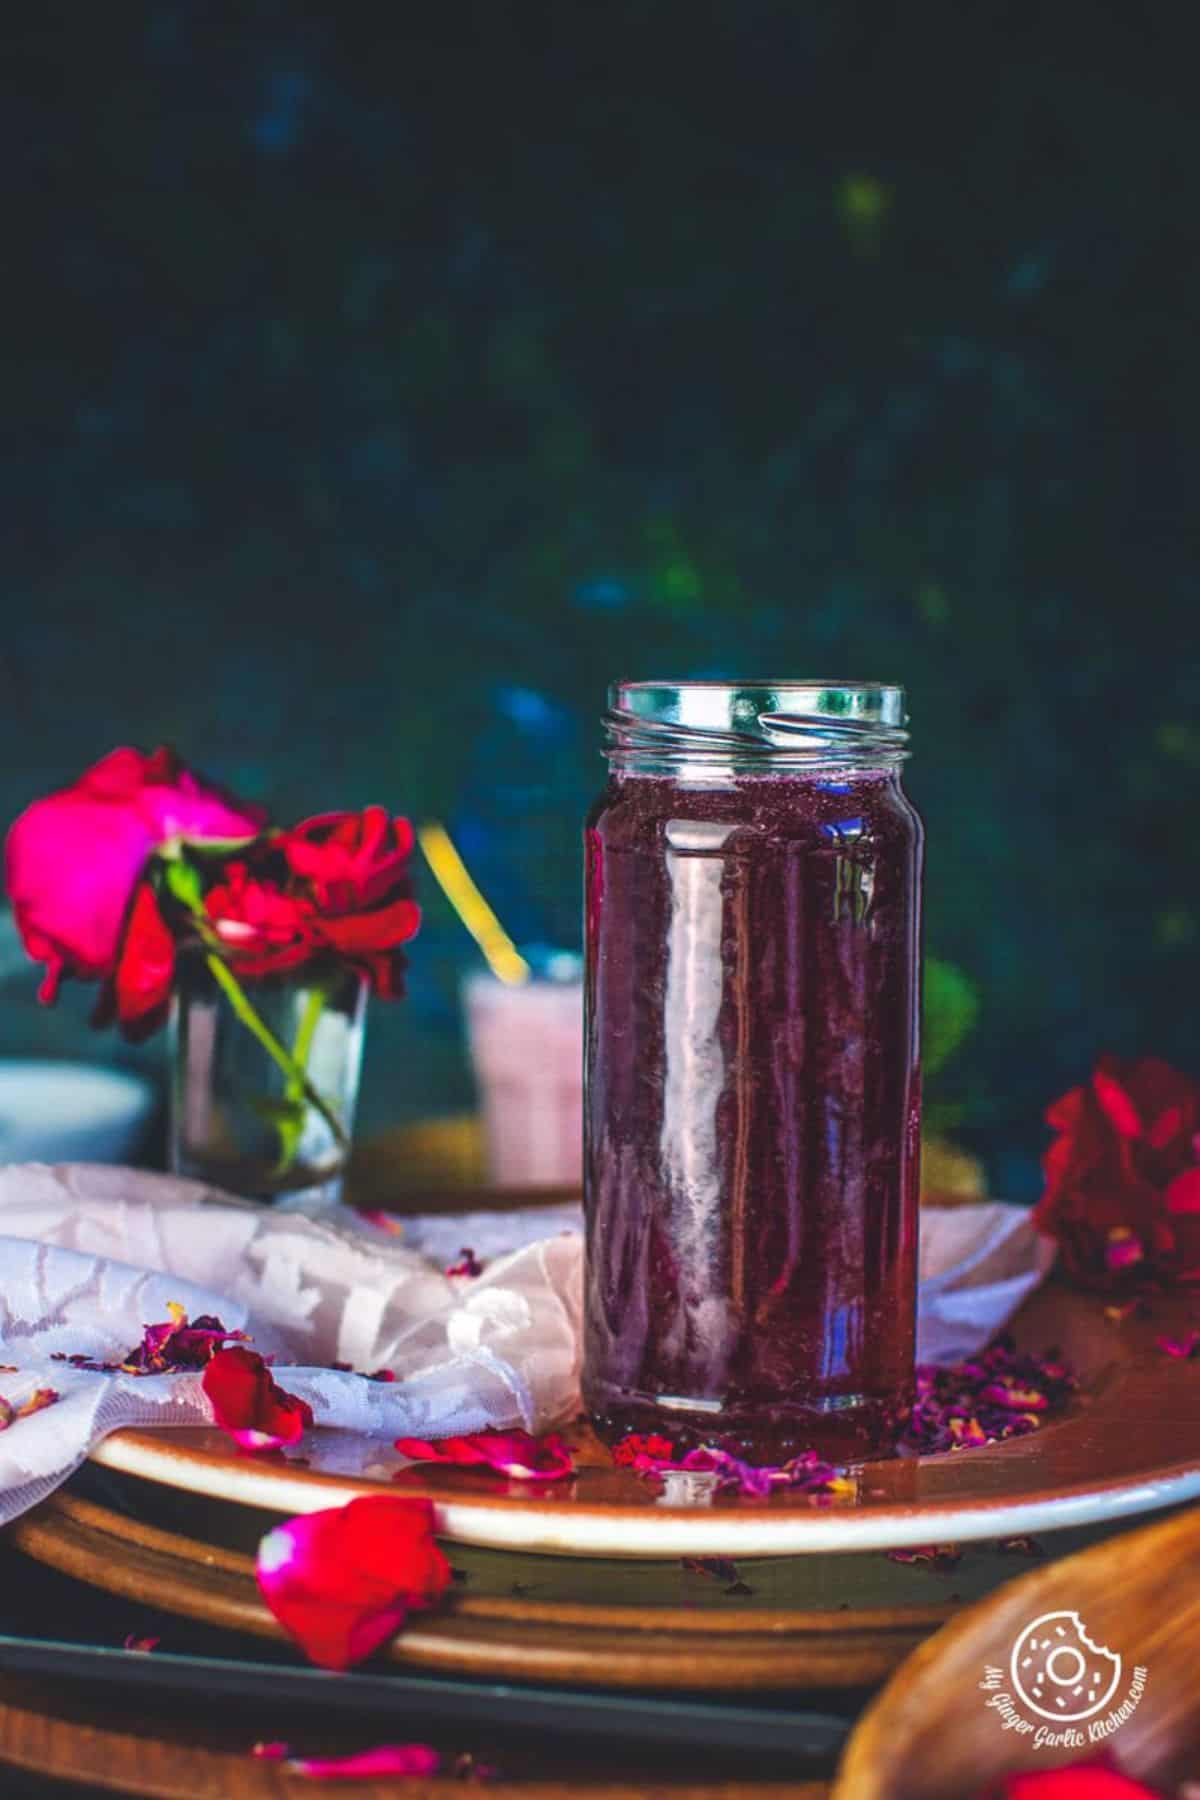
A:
{"x": 752, "y": 1096}
{"x": 237, "y": 1118}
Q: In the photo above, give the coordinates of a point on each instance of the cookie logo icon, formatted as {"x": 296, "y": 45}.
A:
{"x": 1057, "y": 1670}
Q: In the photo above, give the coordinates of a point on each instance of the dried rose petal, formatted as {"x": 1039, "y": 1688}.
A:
{"x": 343, "y": 1581}
{"x": 141, "y": 1644}
{"x": 384, "y": 1221}
{"x": 249, "y": 1404}
{"x": 513, "y": 1453}
{"x": 942, "y": 1557}
{"x": 1123, "y": 1249}
{"x": 998, "y": 1393}
{"x": 626, "y": 1453}
{"x": 1185, "y": 1347}
{"x": 1126, "y": 1309}
{"x": 717, "y": 1568}
{"x": 469, "y": 1265}
{"x": 177, "y": 1344}
{"x": 37, "y": 1402}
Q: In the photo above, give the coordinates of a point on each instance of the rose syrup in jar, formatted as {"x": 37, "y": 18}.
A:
{"x": 752, "y": 1100}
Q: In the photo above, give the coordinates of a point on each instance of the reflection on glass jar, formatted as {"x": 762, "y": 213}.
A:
{"x": 752, "y": 1104}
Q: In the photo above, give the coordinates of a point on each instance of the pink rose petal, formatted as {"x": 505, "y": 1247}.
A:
{"x": 516, "y": 1454}
{"x": 360, "y": 1765}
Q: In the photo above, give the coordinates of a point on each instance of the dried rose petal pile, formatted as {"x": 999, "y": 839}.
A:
{"x": 171, "y": 1348}
{"x": 657, "y": 1456}
{"x": 246, "y": 1400}
{"x": 999, "y": 1393}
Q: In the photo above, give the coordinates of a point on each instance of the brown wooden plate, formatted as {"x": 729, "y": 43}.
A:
{"x": 820, "y": 1621}
{"x": 1087, "y": 1466}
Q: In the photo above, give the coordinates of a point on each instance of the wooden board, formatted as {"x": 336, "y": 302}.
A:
{"x": 931, "y": 1734}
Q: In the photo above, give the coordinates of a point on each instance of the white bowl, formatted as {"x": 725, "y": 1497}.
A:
{"x": 71, "y": 1112}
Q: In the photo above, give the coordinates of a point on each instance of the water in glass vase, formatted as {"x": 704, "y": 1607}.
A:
{"x": 242, "y": 1120}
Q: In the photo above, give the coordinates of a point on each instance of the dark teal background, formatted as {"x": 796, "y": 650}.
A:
{"x": 381, "y": 383}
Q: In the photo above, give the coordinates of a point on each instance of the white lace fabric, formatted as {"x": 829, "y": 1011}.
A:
{"x": 89, "y": 1255}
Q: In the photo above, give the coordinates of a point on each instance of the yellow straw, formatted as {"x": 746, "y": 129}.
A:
{"x": 502, "y": 956}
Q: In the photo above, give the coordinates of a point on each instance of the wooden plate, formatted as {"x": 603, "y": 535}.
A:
{"x": 1086, "y": 1466}
{"x": 932, "y": 1734}
{"x": 813, "y": 1621}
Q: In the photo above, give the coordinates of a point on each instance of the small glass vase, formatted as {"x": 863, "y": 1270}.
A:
{"x": 238, "y": 1119}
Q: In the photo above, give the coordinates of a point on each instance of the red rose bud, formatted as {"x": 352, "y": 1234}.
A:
{"x": 74, "y": 860}
{"x": 343, "y": 1581}
{"x": 249, "y": 1405}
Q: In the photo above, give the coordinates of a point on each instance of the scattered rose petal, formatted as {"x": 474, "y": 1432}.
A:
{"x": 37, "y": 1402}
{"x": 141, "y": 1644}
{"x": 516, "y": 1454}
{"x": 1019, "y": 1546}
{"x": 1124, "y": 1248}
{"x": 469, "y": 1264}
{"x": 717, "y": 1568}
{"x": 248, "y": 1403}
{"x": 935, "y": 1556}
{"x": 1095, "y": 1779}
{"x": 1121, "y": 1310}
{"x": 1185, "y": 1347}
{"x": 381, "y": 1759}
{"x": 342, "y": 1581}
{"x": 656, "y": 1449}
{"x": 364, "y": 1765}
{"x": 384, "y": 1221}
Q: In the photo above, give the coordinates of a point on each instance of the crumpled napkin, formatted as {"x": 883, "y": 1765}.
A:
{"x": 89, "y": 1254}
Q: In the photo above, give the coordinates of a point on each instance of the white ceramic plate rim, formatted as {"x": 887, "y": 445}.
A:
{"x": 576, "y": 1531}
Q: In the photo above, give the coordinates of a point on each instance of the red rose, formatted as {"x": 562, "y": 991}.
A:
{"x": 262, "y": 929}
{"x": 355, "y": 867}
{"x": 351, "y": 860}
{"x": 1122, "y": 1187}
{"x": 74, "y": 861}
{"x": 139, "y": 990}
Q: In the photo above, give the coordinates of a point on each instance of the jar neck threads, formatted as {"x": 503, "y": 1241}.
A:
{"x": 762, "y": 727}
